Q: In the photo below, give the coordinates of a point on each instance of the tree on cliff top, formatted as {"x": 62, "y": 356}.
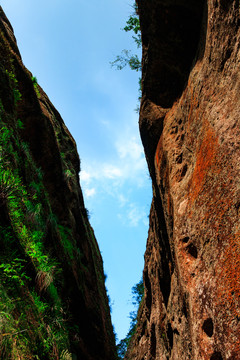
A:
{"x": 126, "y": 57}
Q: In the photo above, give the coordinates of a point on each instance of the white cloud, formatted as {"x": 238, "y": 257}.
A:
{"x": 131, "y": 157}
{"x": 126, "y": 162}
{"x": 111, "y": 171}
{"x": 129, "y": 165}
{"x": 133, "y": 215}
{"x": 122, "y": 200}
{"x": 130, "y": 149}
{"x": 119, "y": 177}
{"x": 85, "y": 176}
{"x": 136, "y": 215}
{"x": 90, "y": 192}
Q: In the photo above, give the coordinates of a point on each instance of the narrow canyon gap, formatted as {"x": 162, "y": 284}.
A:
{"x": 53, "y": 301}
{"x": 52, "y": 293}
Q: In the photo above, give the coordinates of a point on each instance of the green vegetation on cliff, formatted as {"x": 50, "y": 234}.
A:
{"x": 32, "y": 314}
{"x": 53, "y": 301}
{"x": 137, "y": 297}
{"x": 127, "y": 58}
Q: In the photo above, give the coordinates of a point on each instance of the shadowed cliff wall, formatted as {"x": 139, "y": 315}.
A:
{"x": 190, "y": 129}
{"x": 53, "y": 302}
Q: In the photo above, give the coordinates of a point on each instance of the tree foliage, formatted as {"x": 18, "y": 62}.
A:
{"x": 134, "y": 25}
{"x": 137, "y": 296}
{"x": 126, "y": 57}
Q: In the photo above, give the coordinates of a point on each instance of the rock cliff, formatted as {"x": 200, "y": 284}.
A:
{"x": 53, "y": 302}
{"x": 190, "y": 129}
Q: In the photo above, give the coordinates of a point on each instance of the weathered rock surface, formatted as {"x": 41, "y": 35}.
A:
{"x": 190, "y": 128}
{"x": 53, "y": 302}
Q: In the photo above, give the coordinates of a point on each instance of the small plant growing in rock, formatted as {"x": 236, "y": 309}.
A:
{"x": 14, "y": 85}
{"x": 35, "y": 85}
{"x": 65, "y": 355}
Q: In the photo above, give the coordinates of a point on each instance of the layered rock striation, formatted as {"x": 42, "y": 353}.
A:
{"x": 53, "y": 302}
{"x": 190, "y": 129}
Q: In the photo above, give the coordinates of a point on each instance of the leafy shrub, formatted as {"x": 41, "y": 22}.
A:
{"x": 137, "y": 295}
{"x": 35, "y": 85}
{"x": 127, "y": 58}
{"x": 121, "y": 61}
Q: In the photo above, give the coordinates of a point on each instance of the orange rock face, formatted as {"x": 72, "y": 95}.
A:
{"x": 190, "y": 128}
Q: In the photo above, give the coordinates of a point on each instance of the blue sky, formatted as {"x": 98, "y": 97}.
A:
{"x": 68, "y": 46}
